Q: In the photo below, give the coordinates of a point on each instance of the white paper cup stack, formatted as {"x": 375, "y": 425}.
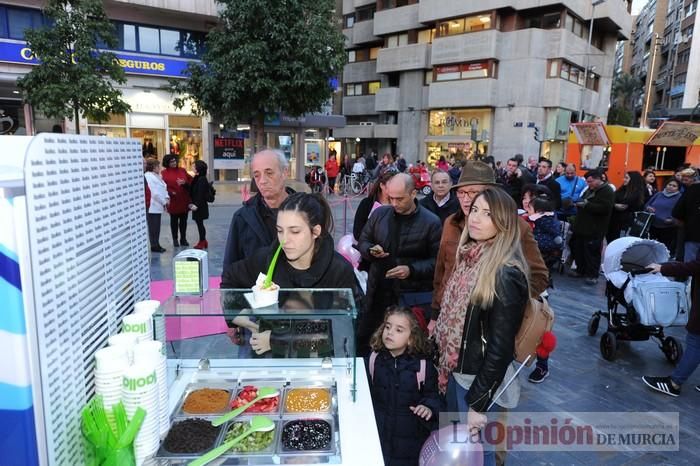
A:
{"x": 151, "y": 352}
{"x": 138, "y": 324}
{"x": 149, "y": 307}
{"x": 127, "y": 341}
{"x": 110, "y": 364}
{"x": 140, "y": 390}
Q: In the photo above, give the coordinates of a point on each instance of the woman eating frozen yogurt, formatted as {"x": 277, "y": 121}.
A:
{"x": 307, "y": 260}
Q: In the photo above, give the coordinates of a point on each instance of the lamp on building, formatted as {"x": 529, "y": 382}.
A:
{"x": 357, "y": 139}
{"x": 594, "y": 4}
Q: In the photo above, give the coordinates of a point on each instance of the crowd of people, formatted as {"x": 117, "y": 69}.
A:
{"x": 175, "y": 191}
{"x": 449, "y": 275}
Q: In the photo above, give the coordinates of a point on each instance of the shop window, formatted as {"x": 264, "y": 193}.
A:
{"x": 186, "y": 144}
{"x": 107, "y": 131}
{"x": 169, "y": 42}
{"x": 373, "y": 87}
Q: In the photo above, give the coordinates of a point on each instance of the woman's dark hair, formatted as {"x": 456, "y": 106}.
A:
{"x": 540, "y": 197}
{"x": 167, "y": 158}
{"x": 417, "y": 341}
{"x": 562, "y": 165}
{"x": 636, "y": 188}
{"x": 672, "y": 180}
{"x": 648, "y": 172}
{"x": 200, "y": 166}
{"x": 384, "y": 178}
{"x": 314, "y": 207}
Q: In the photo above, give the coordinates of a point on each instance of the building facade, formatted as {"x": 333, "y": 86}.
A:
{"x": 458, "y": 78}
{"x": 664, "y": 52}
{"x": 156, "y": 41}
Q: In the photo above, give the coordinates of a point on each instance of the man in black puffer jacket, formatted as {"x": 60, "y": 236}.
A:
{"x": 401, "y": 243}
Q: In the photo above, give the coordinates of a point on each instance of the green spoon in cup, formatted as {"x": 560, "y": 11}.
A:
{"x": 263, "y": 392}
{"x": 257, "y": 424}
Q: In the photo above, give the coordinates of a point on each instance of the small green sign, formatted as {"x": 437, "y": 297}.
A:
{"x": 187, "y": 279}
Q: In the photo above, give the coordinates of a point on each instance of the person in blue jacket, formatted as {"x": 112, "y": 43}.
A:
{"x": 403, "y": 385}
{"x": 571, "y": 188}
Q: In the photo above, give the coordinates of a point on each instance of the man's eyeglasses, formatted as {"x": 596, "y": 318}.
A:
{"x": 471, "y": 194}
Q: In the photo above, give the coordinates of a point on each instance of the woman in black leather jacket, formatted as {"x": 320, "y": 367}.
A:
{"x": 485, "y": 299}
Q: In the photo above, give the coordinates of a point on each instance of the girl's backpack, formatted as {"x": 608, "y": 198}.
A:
{"x": 420, "y": 375}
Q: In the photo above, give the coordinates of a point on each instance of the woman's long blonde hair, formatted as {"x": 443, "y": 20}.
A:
{"x": 505, "y": 249}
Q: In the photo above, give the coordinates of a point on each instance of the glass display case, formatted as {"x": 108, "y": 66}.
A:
{"x": 222, "y": 348}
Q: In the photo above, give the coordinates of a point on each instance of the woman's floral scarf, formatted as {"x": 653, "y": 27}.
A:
{"x": 453, "y": 310}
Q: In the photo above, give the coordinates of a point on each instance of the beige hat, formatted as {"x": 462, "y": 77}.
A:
{"x": 475, "y": 172}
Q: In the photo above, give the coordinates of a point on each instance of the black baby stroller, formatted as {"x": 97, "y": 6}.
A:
{"x": 649, "y": 301}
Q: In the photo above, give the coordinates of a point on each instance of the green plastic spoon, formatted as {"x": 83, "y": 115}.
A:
{"x": 263, "y": 392}
{"x": 257, "y": 424}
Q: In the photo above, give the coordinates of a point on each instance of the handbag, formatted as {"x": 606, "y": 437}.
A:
{"x": 537, "y": 319}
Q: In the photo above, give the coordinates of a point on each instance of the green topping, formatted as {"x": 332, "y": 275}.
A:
{"x": 257, "y": 441}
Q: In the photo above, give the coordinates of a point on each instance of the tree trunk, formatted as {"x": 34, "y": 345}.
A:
{"x": 76, "y": 113}
{"x": 259, "y": 125}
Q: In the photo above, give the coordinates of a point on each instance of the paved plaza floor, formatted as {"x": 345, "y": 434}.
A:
{"x": 580, "y": 379}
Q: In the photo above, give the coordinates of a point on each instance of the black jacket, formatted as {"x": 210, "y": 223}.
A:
{"x": 593, "y": 218}
{"x": 411, "y": 240}
{"x": 687, "y": 210}
{"x": 361, "y": 215}
{"x": 449, "y": 208}
{"x": 328, "y": 270}
{"x": 488, "y": 338}
{"x": 199, "y": 192}
{"x": 249, "y": 230}
{"x": 394, "y": 390}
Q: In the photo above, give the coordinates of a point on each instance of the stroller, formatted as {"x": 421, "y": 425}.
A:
{"x": 649, "y": 301}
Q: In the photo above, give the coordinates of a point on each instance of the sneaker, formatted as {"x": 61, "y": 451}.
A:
{"x": 184, "y": 243}
{"x": 662, "y": 384}
{"x": 157, "y": 249}
{"x": 538, "y": 375}
{"x": 591, "y": 281}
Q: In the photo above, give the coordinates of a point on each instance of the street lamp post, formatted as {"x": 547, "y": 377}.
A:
{"x": 594, "y": 4}
{"x": 645, "y": 112}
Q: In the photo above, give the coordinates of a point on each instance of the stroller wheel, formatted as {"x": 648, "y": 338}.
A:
{"x": 593, "y": 324}
{"x": 608, "y": 346}
{"x": 673, "y": 350}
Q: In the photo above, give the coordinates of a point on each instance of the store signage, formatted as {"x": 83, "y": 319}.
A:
{"x": 229, "y": 153}
{"x": 18, "y": 52}
{"x": 228, "y": 148}
{"x": 675, "y": 134}
{"x": 591, "y": 134}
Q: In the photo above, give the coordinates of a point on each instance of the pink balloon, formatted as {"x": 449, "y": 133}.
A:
{"x": 344, "y": 243}
{"x": 451, "y": 446}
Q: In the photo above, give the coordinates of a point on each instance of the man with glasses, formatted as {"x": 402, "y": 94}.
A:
{"x": 400, "y": 241}
{"x": 442, "y": 202}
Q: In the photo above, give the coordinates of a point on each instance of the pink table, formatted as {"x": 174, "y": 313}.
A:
{"x": 180, "y": 328}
